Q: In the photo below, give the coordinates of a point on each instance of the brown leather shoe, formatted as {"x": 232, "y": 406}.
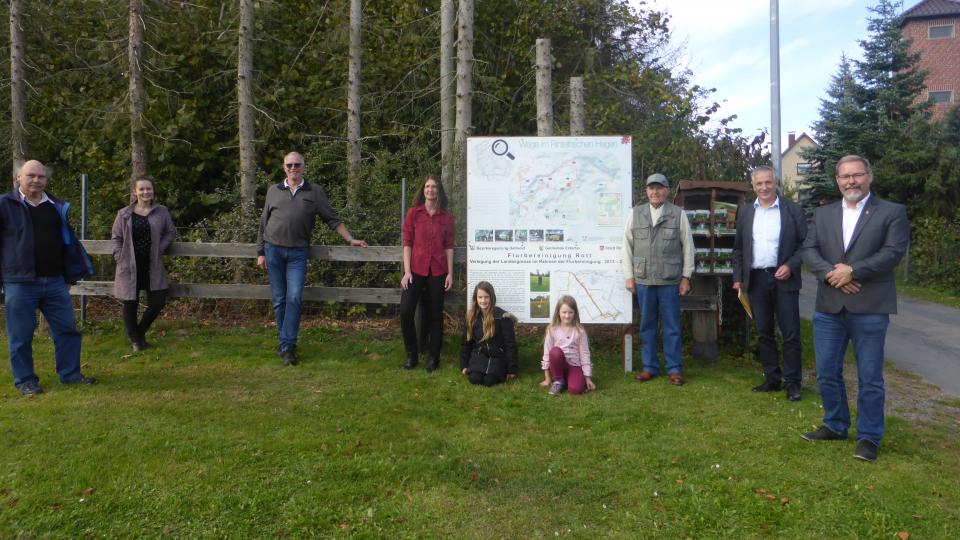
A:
{"x": 644, "y": 376}
{"x": 676, "y": 379}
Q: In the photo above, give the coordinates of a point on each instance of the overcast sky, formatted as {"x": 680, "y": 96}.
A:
{"x": 726, "y": 44}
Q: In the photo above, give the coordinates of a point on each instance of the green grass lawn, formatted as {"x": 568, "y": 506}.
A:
{"x": 929, "y": 293}
{"x": 207, "y": 435}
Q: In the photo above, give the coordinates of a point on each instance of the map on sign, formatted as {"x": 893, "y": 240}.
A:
{"x": 545, "y": 218}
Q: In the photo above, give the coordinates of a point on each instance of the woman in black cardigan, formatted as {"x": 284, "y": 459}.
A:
{"x": 488, "y": 353}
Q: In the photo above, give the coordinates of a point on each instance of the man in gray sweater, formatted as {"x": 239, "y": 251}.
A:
{"x": 283, "y": 243}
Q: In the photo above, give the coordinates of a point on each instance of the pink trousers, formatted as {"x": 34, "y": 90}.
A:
{"x": 560, "y": 369}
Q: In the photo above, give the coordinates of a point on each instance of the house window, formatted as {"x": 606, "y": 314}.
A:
{"x": 941, "y": 97}
{"x": 940, "y": 32}
{"x": 804, "y": 168}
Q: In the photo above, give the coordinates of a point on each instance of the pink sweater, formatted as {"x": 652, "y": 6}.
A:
{"x": 573, "y": 344}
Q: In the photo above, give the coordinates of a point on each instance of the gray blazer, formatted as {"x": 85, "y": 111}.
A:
{"x": 793, "y": 229}
{"x": 880, "y": 240}
{"x": 162, "y": 234}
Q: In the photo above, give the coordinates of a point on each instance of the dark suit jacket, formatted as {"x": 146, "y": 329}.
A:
{"x": 879, "y": 241}
{"x": 793, "y": 229}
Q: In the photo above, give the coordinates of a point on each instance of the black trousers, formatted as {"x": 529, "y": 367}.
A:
{"x": 155, "y": 302}
{"x": 486, "y": 379}
{"x": 432, "y": 288}
{"x": 770, "y": 301}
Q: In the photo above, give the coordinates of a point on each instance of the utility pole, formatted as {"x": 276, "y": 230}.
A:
{"x": 775, "y": 87}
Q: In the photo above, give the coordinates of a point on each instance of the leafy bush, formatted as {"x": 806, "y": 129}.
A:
{"x": 935, "y": 252}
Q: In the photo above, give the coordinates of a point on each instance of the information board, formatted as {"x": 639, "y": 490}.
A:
{"x": 545, "y": 218}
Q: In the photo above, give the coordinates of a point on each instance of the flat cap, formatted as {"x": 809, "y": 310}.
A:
{"x": 657, "y": 178}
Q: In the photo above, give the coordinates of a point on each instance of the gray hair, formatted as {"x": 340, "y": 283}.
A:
{"x": 46, "y": 170}
{"x": 851, "y": 158}
{"x": 763, "y": 168}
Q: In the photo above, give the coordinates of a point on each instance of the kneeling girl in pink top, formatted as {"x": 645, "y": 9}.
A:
{"x": 566, "y": 353}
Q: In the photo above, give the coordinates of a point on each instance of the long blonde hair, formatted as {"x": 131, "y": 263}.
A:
{"x": 489, "y": 328}
{"x": 571, "y": 302}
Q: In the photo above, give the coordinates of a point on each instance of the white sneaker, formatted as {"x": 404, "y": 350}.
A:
{"x": 557, "y": 387}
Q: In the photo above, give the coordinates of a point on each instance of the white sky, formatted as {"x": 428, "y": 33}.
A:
{"x": 726, "y": 44}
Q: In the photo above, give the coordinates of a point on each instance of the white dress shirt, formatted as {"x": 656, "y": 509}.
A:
{"x": 850, "y": 218}
{"x": 766, "y": 234}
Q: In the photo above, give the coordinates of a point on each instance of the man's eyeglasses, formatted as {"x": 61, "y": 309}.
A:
{"x": 854, "y": 176}
{"x": 293, "y": 165}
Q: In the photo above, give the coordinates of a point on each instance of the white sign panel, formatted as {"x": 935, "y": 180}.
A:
{"x": 545, "y": 218}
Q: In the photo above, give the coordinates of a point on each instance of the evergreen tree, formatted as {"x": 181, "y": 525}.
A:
{"x": 872, "y": 110}
{"x": 838, "y": 131}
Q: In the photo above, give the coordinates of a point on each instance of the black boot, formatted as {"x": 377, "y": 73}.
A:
{"x": 411, "y": 362}
{"x": 433, "y": 365}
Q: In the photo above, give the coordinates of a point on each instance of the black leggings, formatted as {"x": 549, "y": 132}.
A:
{"x": 155, "y": 302}
{"x": 432, "y": 287}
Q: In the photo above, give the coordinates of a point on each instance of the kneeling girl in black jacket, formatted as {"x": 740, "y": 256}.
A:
{"x": 488, "y": 353}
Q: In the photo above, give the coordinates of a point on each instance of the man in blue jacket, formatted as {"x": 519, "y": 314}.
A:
{"x": 39, "y": 257}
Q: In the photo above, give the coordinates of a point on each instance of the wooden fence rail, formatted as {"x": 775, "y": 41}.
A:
{"x": 358, "y": 295}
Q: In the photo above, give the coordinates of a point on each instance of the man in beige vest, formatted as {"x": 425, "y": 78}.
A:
{"x": 657, "y": 265}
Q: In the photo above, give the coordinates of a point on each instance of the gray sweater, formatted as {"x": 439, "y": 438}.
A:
{"x": 288, "y": 221}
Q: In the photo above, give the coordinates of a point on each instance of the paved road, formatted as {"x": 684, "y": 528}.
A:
{"x": 923, "y": 337}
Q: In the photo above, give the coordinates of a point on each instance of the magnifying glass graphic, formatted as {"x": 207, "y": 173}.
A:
{"x": 500, "y": 148}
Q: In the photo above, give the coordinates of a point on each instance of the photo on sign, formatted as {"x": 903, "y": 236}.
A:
{"x": 540, "y": 281}
{"x": 484, "y": 235}
{"x": 536, "y": 235}
{"x": 540, "y": 306}
{"x": 504, "y": 235}
{"x": 520, "y": 235}
{"x": 554, "y": 235}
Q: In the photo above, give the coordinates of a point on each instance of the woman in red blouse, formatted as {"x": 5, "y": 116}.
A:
{"x": 427, "y": 266}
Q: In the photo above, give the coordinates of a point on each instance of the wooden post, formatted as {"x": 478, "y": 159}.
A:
{"x": 245, "y": 104}
{"x": 464, "y": 110}
{"x": 448, "y": 71}
{"x": 138, "y": 144}
{"x": 353, "y": 104}
{"x": 576, "y": 106}
{"x": 704, "y": 323}
{"x": 18, "y": 96}
{"x": 544, "y": 93}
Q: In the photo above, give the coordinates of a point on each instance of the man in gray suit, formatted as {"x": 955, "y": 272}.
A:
{"x": 853, "y": 247}
{"x": 766, "y": 266}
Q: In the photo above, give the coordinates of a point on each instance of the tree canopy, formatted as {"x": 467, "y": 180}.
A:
{"x": 78, "y": 122}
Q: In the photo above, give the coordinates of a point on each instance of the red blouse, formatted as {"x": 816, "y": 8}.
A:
{"x": 430, "y": 237}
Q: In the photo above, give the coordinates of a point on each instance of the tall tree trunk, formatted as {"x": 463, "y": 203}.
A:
{"x": 353, "y": 104}
{"x": 576, "y": 106}
{"x": 464, "y": 110}
{"x": 448, "y": 70}
{"x": 138, "y": 144}
{"x": 544, "y": 93}
{"x": 18, "y": 96}
{"x": 248, "y": 158}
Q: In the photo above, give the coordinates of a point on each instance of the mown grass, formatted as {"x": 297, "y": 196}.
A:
{"x": 929, "y": 293}
{"x": 208, "y": 436}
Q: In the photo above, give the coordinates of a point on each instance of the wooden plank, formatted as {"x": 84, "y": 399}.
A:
{"x": 698, "y": 302}
{"x": 249, "y": 251}
{"x": 355, "y": 295}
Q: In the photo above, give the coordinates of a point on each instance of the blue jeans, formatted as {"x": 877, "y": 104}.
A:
{"x": 867, "y": 331}
{"x": 287, "y": 268}
{"x": 660, "y": 304}
{"x": 51, "y": 296}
